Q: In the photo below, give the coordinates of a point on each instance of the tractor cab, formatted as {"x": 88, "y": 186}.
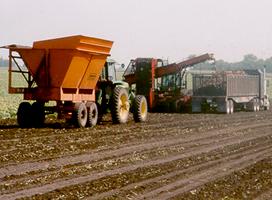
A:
{"x": 109, "y": 70}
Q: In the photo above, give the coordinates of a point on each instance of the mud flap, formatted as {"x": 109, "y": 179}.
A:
{"x": 196, "y": 105}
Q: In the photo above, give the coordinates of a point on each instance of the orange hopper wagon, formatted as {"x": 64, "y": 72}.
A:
{"x": 65, "y": 70}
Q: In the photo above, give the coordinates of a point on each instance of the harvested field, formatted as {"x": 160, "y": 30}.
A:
{"x": 171, "y": 156}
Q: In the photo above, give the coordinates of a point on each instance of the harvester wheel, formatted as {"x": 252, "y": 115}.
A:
{"x": 80, "y": 115}
{"x": 140, "y": 109}
{"x": 38, "y": 114}
{"x": 24, "y": 118}
{"x": 120, "y": 105}
{"x": 92, "y": 114}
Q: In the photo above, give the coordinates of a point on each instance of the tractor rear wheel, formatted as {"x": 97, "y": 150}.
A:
{"x": 120, "y": 105}
{"x": 80, "y": 115}
{"x": 38, "y": 114}
{"x": 92, "y": 114}
{"x": 140, "y": 109}
{"x": 24, "y": 118}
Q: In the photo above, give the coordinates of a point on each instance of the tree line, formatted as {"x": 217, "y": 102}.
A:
{"x": 249, "y": 61}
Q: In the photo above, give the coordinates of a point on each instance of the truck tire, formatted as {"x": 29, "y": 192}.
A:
{"x": 255, "y": 106}
{"x": 24, "y": 118}
{"x": 119, "y": 106}
{"x": 252, "y": 106}
{"x": 258, "y": 108}
{"x": 231, "y": 106}
{"x": 80, "y": 115}
{"x": 227, "y": 107}
{"x": 38, "y": 114}
{"x": 140, "y": 109}
{"x": 92, "y": 114}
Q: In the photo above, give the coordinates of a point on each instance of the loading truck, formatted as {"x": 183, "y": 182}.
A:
{"x": 230, "y": 91}
{"x": 69, "y": 71}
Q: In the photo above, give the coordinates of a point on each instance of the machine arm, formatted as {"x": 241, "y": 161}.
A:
{"x": 177, "y": 67}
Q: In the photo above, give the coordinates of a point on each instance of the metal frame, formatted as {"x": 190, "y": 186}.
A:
{"x": 26, "y": 74}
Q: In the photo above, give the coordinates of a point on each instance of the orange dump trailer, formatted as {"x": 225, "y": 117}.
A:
{"x": 73, "y": 72}
{"x": 65, "y": 70}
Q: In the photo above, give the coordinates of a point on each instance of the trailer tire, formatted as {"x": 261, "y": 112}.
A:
{"x": 140, "y": 108}
{"x": 24, "y": 118}
{"x": 92, "y": 114}
{"x": 120, "y": 105}
{"x": 227, "y": 107}
{"x": 266, "y": 108}
{"x": 258, "y": 107}
{"x": 38, "y": 114}
{"x": 255, "y": 106}
{"x": 80, "y": 115}
{"x": 231, "y": 106}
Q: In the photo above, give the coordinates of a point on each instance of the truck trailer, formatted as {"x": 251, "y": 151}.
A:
{"x": 230, "y": 91}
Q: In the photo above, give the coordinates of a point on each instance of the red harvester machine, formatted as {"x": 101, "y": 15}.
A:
{"x": 163, "y": 84}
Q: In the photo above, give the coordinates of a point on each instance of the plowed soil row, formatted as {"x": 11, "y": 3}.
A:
{"x": 170, "y": 156}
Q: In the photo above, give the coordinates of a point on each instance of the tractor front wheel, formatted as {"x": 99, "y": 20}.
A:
{"x": 140, "y": 109}
{"x": 119, "y": 105}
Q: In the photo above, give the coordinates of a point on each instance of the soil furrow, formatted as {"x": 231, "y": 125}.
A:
{"x": 91, "y": 167}
{"x": 93, "y": 156}
{"x": 83, "y": 179}
{"x": 125, "y": 191}
{"x": 191, "y": 182}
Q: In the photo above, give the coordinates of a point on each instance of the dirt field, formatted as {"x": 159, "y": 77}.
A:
{"x": 171, "y": 156}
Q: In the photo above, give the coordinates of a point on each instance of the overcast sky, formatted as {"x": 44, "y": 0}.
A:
{"x": 172, "y": 29}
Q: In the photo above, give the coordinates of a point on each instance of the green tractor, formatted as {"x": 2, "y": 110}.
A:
{"x": 115, "y": 96}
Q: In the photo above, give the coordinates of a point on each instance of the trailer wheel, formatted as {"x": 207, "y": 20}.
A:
{"x": 119, "y": 105}
{"x": 24, "y": 118}
{"x": 252, "y": 106}
{"x": 80, "y": 115}
{"x": 257, "y": 106}
{"x": 92, "y": 114}
{"x": 38, "y": 114}
{"x": 140, "y": 109}
{"x": 266, "y": 108}
{"x": 231, "y": 106}
{"x": 227, "y": 107}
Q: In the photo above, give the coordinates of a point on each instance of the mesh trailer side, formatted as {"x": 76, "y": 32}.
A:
{"x": 209, "y": 84}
